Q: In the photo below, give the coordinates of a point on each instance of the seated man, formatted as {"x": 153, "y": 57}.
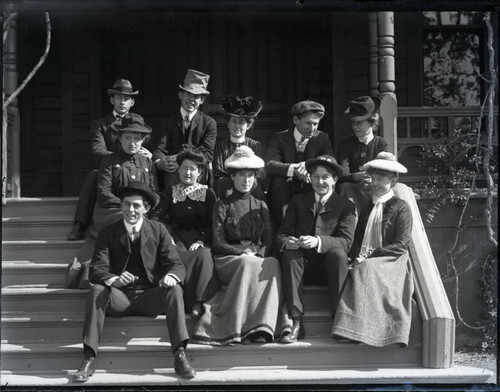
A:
{"x": 103, "y": 141}
{"x": 189, "y": 127}
{"x": 286, "y": 155}
{"x": 136, "y": 270}
{"x": 314, "y": 238}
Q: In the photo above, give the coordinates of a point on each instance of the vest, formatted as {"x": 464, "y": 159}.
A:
{"x": 135, "y": 266}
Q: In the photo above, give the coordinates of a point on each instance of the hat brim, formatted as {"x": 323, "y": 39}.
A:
{"x": 138, "y": 129}
{"x": 113, "y": 91}
{"x": 249, "y": 115}
{"x": 244, "y": 163}
{"x": 194, "y": 90}
{"x": 335, "y": 166}
{"x": 383, "y": 164}
{"x": 148, "y": 195}
{"x": 376, "y": 102}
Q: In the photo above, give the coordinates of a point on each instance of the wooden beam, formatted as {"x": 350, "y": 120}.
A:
{"x": 437, "y": 315}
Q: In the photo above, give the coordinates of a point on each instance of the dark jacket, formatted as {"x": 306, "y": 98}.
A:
{"x": 168, "y": 140}
{"x": 396, "y": 229}
{"x": 103, "y": 139}
{"x": 281, "y": 151}
{"x": 335, "y": 224}
{"x": 112, "y": 252}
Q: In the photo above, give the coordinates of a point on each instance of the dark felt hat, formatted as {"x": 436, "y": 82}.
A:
{"x": 122, "y": 86}
{"x": 196, "y": 82}
{"x": 234, "y": 106}
{"x": 307, "y": 106}
{"x": 131, "y": 122}
{"x": 326, "y": 160}
{"x": 141, "y": 188}
{"x": 362, "y": 108}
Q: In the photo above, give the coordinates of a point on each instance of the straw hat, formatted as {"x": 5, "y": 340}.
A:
{"x": 244, "y": 158}
{"x": 385, "y": 161}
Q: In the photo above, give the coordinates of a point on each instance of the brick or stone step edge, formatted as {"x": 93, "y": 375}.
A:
{"x": 270, "y": 375}
{"x": 36, "y": 206}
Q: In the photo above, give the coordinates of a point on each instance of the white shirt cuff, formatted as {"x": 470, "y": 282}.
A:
{"x": 175, "y": 277}
{"x": 109, "y": 282}
{"x": 320, "y": 244}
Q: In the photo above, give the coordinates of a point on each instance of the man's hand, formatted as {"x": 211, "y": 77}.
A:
{"x": 168, "y": 164}
{"x": 167, "y": 281}
{"x": 362, "y": 177}
{"x": 301, "y": 173}
{"x": 145, "y": 152}
{"x": 196, "y": 245}
{"x": 125, "y": 279}
{"x": 308, "y": 242}
{"x": 292, "y": 243}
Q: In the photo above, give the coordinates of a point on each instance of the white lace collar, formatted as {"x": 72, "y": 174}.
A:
{"x": 196, "y": 192}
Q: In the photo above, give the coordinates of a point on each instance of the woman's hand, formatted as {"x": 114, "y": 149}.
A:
{"x": 196, "y": 245}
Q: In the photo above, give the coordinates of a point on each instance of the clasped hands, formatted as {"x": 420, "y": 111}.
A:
{"x": 304, "y": 242}
{"x": 301, "y": 173}
{"x": 127, "y": 278}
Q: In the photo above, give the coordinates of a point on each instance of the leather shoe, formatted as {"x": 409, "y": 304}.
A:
{"x": 181, "y": 364}
{"x": 298, "y": 331}
{"x": 77, "y": 232}
{"x": 87, "y": 369}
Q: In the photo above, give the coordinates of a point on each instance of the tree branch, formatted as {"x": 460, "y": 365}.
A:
{"x": 36, "y": 68}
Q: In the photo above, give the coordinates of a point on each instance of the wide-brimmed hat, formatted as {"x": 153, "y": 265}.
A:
{"x": 131, "y": 122}
{"x": 196, "y": 82}
{"x": 244, "y": 158}
{"x": 325, "y": 160}
{"x": 363, "y": 108}
{"x": 122, "y": 86}
{"x": 140, "y": 188}
{"x": 385, "y": 161}
{"x": 307, "y": 106}
{"x": 234, "y": 106}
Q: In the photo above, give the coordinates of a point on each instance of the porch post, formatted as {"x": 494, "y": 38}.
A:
{"x": 11, "y": 151}
{"x": 386, "y": 79}
{"x": 372, "y": 54}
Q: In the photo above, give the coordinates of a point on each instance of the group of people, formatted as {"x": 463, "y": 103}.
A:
{"x": 178, "y": 221}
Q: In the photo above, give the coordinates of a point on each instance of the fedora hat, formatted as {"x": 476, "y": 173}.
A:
{"x": 325, "y": 160}
{"x": 196, "y": 82}
{"x": 362, "y": 108}
{"x": 244, "y": 158}
{"x": 140, "y": 188}
{"x": 234, "y": 106}
{"x": 122, "y": 86}
{"x": 131, "y": 122}
{"x": 385, "y": 161}
{"x": 307, "y": 106}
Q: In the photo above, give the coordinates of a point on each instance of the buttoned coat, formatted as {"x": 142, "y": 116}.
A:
{"x": 103, "y": 139}
{"x": 335, "y": 223}
{"x": 169, "y": 138}
{"x": 112, "y": 252}
{"x": 281, "y": 151}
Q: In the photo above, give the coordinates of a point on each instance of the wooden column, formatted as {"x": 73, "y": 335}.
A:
{"x": 11, "y": 149}
{"x": 387, "y": 78}
{"x": 372, "y": 54}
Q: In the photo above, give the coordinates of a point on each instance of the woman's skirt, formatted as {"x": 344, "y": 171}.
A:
{"x": 247, "y": 302}
{"x": 375, "y": 306}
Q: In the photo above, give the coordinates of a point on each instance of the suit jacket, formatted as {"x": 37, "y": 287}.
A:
{"x": 112, "y": 253}
{"x": 335, "y": 224}
{"x": 103, "y": 139}
{"x": 170, "y": 137}
{"x": 281, "y": 151}
{"x": 396, "y": 229}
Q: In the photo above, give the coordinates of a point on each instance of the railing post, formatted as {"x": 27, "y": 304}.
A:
{"x": 386, "y": 78}
{"x": 372, "y": 54}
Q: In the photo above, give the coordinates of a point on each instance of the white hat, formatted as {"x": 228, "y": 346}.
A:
{"x": 385, "y": 161}
{"x": 244, "y": 158}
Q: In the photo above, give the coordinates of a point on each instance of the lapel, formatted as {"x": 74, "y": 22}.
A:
{"x": 289, "y": 146}
{"x": 123, "y": 238}
{"x": 310, "y": 204}
{"x": 389, "y": 209}
{"x": 178, "y": 121}
{"x": 146, "y": 236}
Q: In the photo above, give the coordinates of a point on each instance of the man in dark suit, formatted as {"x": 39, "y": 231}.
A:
{"x": 103, "y": 141}
{"x": 286, "y": 155}
{"x": 313, "y": 241}
{"x": 187, "y": 128}
{"x": 136, "y": 270}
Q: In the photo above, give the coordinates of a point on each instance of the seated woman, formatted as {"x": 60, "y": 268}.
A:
{"x": 355, "y": 150}
{"x": 186, "y": 209}
{"x": 375, "y": 306}
{"x": 240, "y": 116}
{"x": 245, "y": 309}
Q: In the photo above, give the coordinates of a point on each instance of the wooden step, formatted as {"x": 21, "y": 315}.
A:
{"x": 29, "y": 207}
{"x": 38, "y": 250}
{"x": 36, "y": 227}
{"x": 31, "y": 273}
{"x": 22, "y": 327}
{"x": 144, "y": 355}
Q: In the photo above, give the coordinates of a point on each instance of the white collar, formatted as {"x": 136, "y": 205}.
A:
{"x": 239, "y": 140}
{"x": 137, "y": 226}
{"x": 190, "y": 115}
{"x": 118, "y": 114}
{"x": 383, "y": 198}
{"x": 366, "y": 139}
{"x": 325, "y": 198}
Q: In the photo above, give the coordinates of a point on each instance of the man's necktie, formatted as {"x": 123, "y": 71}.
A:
{"x": 185, "y": 123}
{"x": 134, "y": 234}
{"x": 319, "y": 207}
{"x": 302, "y": 144}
